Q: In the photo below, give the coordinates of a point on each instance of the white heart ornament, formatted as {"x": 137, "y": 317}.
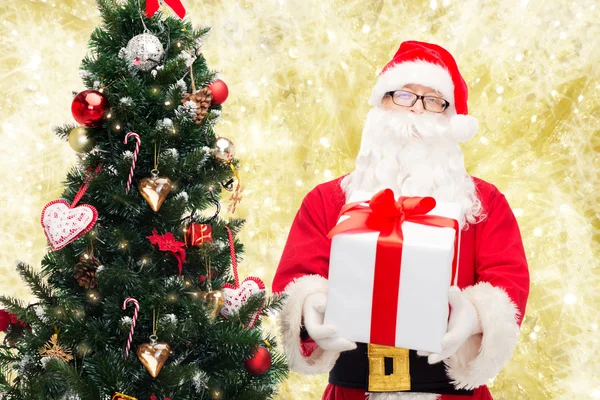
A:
{"x": 235, "y": 298}
{"x": 63, "y": 224}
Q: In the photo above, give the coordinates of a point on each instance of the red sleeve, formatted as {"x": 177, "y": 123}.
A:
{"x": 307, "y": 249}
{"x": 500, "y": 256}
{"x": 499, "y": 295}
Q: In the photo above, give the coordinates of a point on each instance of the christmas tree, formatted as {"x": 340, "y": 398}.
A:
{"x": 139, "y": 296}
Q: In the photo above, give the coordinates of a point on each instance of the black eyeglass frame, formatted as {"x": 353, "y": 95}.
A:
{"x": 417, "y": 98}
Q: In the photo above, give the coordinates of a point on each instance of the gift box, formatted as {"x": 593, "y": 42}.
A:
{"x": 198, "y": 234}
{"x": 392, "y": 263}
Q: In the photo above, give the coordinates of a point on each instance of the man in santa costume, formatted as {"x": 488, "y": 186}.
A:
{"x": 410, "y": 145}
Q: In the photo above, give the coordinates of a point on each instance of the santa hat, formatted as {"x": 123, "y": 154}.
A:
{"x": 433, "y": 66}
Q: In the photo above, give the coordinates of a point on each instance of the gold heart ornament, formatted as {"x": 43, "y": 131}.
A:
{"x": 155, "y": 190}
{"x": 154, "y": 355}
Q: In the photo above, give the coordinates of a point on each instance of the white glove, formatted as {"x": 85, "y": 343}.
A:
{"x": 464, "y": 322}
{"x": 324, "y": 335}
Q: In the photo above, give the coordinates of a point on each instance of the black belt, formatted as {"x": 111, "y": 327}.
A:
{"x": 352, "y": 370}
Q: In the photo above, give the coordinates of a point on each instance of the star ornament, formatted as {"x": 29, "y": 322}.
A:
{"x": 53, "y": 349}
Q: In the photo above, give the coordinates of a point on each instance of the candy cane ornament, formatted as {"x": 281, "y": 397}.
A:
{"x": 133, "y": 321}
{"x": 135, "y": 155}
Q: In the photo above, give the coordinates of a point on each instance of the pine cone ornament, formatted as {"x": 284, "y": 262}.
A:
{"x": 85, "y": 271}
{"x": 202, "y": 98}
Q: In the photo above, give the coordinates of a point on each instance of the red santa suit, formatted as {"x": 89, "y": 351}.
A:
{"x": 493, "y": 273}
{"x": 493, "y": 276}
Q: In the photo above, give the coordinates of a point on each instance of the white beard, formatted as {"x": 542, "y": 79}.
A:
{"x": 414, "y": 155}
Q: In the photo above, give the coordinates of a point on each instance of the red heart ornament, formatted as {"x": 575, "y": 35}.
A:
{"x": 63, "y": 224}
{"x": 236, "y": 297}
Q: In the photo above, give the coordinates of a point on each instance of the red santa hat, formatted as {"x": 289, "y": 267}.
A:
{"x": 433, "y": 66}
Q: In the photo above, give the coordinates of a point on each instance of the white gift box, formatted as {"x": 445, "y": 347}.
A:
{"x": 425, "y": 277}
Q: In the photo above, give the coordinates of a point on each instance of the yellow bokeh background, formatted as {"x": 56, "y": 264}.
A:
{"x": 300, "y": 73}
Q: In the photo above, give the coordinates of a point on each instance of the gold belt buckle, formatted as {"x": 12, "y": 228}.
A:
{"x": 399, "y": 380}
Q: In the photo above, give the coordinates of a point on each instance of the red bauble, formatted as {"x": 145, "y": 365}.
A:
{"x": 260, "y": 362}
{"x": 89, "y": 107}
{"x": 219, "y": 91}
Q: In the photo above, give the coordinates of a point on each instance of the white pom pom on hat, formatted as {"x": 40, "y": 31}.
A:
{"x": 463, "y": 127}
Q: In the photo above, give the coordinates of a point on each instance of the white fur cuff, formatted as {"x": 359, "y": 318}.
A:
{"x": 320, "y": 361}
{"x": 483, "y": 355}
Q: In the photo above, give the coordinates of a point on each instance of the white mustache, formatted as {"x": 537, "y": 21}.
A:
{"x": 399, "y": 124}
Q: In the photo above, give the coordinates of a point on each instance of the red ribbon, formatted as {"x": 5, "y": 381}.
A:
{"x": 386, "y": 215}
{"x": 152, "y": 7}
{"x": 168, "y": 243}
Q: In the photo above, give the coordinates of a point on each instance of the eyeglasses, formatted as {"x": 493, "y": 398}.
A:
{"x": 409, "y": 99}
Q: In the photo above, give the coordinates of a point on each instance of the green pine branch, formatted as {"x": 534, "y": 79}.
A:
{"x": 69, "y": 376}
{"x": 8, "y": 355}
{"x": 273, "y": 303}
{"x": 64, "y": 131}
{"x": 36, "y": 281}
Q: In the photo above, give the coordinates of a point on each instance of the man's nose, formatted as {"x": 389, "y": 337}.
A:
{"x": 417, "y": 108}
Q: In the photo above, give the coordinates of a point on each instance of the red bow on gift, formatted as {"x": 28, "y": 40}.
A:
{"x": 168, "y": 243}
{"x": 152, "y": 7}
{"x": 386, "y": 215}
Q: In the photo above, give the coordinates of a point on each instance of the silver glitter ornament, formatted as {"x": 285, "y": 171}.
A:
{"x": 144, "y": 52}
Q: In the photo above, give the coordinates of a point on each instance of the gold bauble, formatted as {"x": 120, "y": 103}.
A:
{"x": 79, "y": 140}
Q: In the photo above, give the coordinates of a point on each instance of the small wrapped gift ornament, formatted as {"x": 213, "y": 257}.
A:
{"x": 391, "y": 265}
{"x": 198, "y": 234}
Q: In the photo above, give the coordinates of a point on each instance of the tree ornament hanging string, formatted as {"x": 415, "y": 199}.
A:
{"x": 192, "y": 76}
{"x": 103, "y": 88}
{"x": 89, "y": 175}
{"x": 155, "y": 171}
{"x": 154, "y": 326}
{"x": 217, "y": 205}
{"x": 208, "y": 274}
{"x": 91, "y": 252}
{"x": 146, "y": 30}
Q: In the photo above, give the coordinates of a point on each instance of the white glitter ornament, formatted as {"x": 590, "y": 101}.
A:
{"x": 144, "y": 52}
